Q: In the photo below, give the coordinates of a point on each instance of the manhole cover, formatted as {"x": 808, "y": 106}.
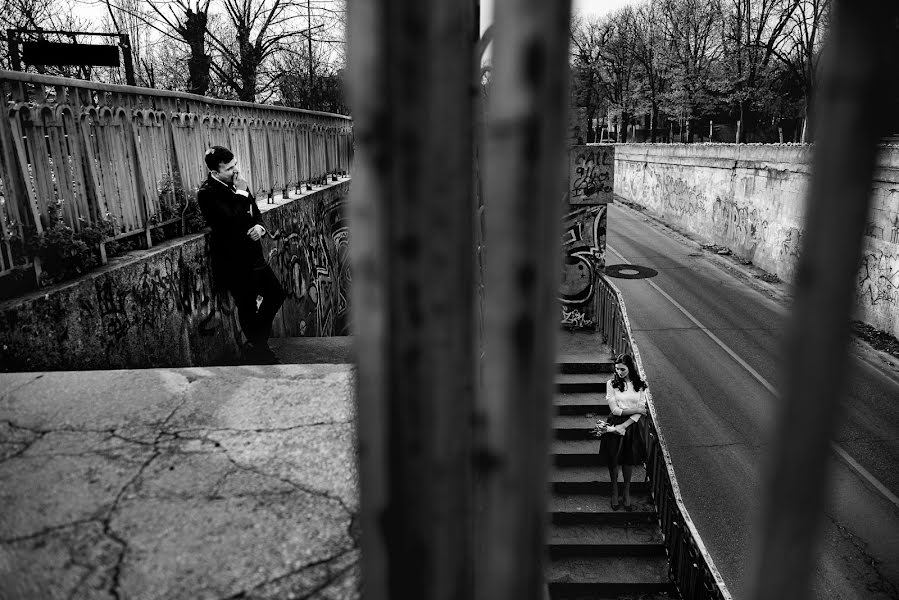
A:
{"x": 630, "y": 272}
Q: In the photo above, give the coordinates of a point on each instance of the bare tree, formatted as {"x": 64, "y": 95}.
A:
{"x": 190, "y": 22}
{"x": 689, "y": 25}
{"x": 753, "y": 30}
{"x": 802, "y": 50}
{"x": 649, "y": 51}
{"x": 617, "y": 65}
{"x": 586, "y": 79}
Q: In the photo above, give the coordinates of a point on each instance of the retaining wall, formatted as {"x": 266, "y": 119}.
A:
{"x": 751, "y": 199}
{"x": 161, "y": 307}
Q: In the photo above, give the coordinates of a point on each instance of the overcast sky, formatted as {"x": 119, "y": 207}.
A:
{"x": 592, "y": 8}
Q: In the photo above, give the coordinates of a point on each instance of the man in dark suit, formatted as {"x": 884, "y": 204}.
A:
{"x": 237, "y": 259}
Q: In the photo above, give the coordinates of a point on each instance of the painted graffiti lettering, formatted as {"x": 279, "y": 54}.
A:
{"x": 591, "y": 175}
{"x": 575, "y": 319}
{"x": 583, "y": 239}
{"x": 878, "y": 279}
{"x": 309, "y": 254}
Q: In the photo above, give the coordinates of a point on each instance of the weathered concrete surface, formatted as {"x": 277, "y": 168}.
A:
{"x": 162, "y": 308}
{"x": 751, "y": 199}
{"x": 187, "y": 483}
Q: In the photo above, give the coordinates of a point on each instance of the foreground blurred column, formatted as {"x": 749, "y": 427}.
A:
{"x": 411, "y": 232}
{"x": 524, "y": 188}
{"x": 860, "y": 67}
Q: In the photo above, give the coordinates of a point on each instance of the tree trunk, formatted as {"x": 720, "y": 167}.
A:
{"x": 198, "y": 65}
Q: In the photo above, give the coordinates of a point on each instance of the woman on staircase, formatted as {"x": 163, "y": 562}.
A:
{"x": 623, "y": 445}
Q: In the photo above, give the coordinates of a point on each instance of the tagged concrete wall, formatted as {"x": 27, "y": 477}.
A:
{"x": 161, "y": 307}
{"x": 750, "y": 198}
{"x": 590, "y": 177}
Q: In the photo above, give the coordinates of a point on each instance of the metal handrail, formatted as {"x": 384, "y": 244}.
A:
{"x": 690, "y": 566}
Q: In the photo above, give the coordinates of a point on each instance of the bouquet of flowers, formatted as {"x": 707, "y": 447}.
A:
{"x": 601, "y": 428}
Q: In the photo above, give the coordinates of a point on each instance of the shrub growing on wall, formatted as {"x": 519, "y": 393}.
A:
{"x": 64, "y": 252}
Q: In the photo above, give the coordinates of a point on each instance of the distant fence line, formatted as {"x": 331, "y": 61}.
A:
{"x": 98, "y": 154}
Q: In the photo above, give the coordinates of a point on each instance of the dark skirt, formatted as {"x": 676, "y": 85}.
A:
{"x": 627, "y": 449}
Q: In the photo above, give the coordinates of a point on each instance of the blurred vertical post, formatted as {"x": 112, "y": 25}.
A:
{"x": 411, "y": 230}
{"x": 524, "y": 187}
{"x": 859, "y": 69}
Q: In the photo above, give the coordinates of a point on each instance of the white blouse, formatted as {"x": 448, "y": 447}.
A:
{"x": 628, "y": 399}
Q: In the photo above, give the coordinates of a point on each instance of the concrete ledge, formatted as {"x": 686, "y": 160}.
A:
{"x": 179, "y": 483}
{"x": 161, "y": 307}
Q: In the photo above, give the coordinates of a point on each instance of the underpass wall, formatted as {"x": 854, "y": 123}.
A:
{"x": 750, "y": 198}
{"x": 162, "y": 308}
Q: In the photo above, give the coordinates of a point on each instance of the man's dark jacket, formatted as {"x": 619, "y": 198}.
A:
{"x": 230, "y": 215}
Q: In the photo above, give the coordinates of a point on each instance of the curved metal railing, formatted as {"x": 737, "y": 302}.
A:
{"x": 690, "y": 565}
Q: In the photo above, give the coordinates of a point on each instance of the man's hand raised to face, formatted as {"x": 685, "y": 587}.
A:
{"x": 256, "y": 232}
{"x": 241, "y": 184}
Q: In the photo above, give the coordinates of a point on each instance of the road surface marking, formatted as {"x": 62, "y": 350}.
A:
{"x": 851, "y": 462}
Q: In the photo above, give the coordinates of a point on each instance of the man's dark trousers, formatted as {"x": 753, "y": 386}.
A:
{"x": 256, "y": 323}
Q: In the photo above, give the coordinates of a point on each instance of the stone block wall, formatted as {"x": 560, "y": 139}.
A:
{"x": 161, "y": 307}
{"x": 751, "y": 199}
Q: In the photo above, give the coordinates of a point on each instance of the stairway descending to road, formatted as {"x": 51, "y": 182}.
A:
{"x": 596, "y": 553}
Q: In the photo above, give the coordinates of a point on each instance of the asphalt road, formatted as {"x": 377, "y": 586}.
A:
{"x": 718, "y": 417}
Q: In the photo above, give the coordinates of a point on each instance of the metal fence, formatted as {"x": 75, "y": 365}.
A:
{"x": 126, "y": 157}
{"x": 690, "y": 566}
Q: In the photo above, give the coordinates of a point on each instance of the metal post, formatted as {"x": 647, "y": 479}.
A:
{"x": 413, "y": 303}
{"x": 852, "y": 99}
{"x": 524, "y": 177}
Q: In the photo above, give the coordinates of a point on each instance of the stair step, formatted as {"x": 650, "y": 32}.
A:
{"x": 581, "y": 404}
{"x": 581, "y": 382}
{"x": 576, "y": 427}
{"x": 607, "y": 576}
{"x": 307, "y": 350}
{"x": 598, "y": 504}
{"x": 578, "y": 474}
{"x": 592, "y": 592}
{"x": 573, "y": 365}
{"x": 586, "y": 539}
{"x": 590, "y": 446}
{"x": 575, "y": 453}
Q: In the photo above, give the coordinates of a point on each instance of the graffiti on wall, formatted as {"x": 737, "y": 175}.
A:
{"x": 573, "y": 318}
{"x": 680, "y": 198}
{"x": 584, "y": 242}
{"x": 165, "y": 287}
{"x": 791, "y": 244}
{"x": 591, "y": 174}
{"x": 878, "y": 279}
{"x": 742, "y": 228}
{"x": 308, "y": 251}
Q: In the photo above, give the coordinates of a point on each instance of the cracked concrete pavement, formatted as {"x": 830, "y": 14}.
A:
{"x": 227, "y": 482}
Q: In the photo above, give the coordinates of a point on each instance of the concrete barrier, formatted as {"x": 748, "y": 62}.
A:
{"x": 751, "y": 199}
{"x": 161, "y": 307}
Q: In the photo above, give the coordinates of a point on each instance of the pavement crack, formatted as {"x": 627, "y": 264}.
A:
{"x": 48, "y": 530}
{"x": 115, "y": 585}
{"x": 12, "y": 391}
{"x": 262, "y": 429}
{"x": 26, "y": 444}
{"x": 318, "y": 563}
{"x": 309, "y": 490}
{"x": 882, "y": 584}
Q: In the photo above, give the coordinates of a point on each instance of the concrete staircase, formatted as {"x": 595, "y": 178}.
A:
{"x": 594, "y": 552}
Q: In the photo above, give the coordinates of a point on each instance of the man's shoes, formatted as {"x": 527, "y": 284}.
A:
{"x": 259, "y": 354}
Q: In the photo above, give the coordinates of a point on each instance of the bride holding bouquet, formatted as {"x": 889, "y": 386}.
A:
{"x": 621, "y": 441}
